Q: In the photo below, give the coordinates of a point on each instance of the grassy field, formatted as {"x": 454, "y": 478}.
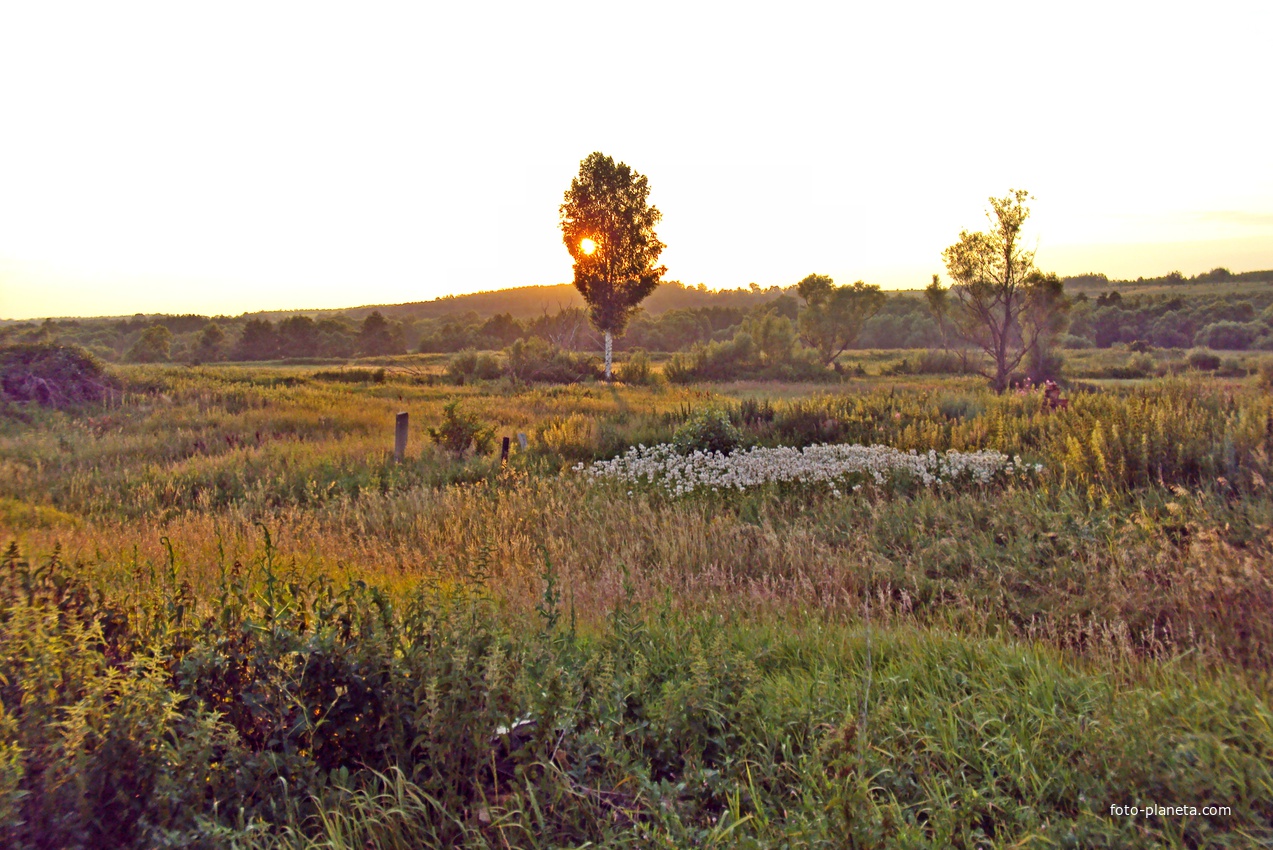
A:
{"x": 227, "y": 618}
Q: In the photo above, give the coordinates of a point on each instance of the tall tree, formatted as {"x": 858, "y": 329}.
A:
{"x": 258, "y": 341}
{"x": 378, "y": 336}
{"x": 211, "y": 341}
{"x": 833, "y": 316}
{"x": 607, "y": 225}
{"x": 297, "y": 337}
{"x": 1001, "y": 303}
{"x": 153, "y": 346}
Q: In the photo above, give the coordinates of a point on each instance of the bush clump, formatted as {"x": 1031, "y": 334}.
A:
{"x": 460, "y": 430}
{"x": 52, "y": 375}
{"x": 468, "y": 365}
{"x": 929, "y": 362}
{"x": 351, "y": 376}
{"x": 1203, "y": 360}
{"x": 743, "y": 358}
{"x": 1229, "y": 336}
{"x": 707, "y": 431}
{"x": 637, "y": 370}
{"x": 1137, "y": 366}
{"x": 534, "y": 360}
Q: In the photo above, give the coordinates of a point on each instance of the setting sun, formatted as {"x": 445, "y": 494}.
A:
{"x": 588, "y": 246}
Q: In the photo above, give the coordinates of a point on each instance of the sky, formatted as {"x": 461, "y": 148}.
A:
{"x": 228, "y": 157}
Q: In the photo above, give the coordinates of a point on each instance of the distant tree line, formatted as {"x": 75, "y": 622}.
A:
{"x": 1095, "y": 280}
{"x": 1226, "y": 323}
{"x": 751, "y": 321}
{"x": 200, "y": 339}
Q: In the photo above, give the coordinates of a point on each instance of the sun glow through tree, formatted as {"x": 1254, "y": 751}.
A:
{"x": 607, "y": 225}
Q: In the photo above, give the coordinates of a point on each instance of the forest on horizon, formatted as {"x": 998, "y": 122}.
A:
{"x": 1220, "y": 310}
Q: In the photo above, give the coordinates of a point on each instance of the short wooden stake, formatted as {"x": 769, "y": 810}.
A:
{"x": 400, "y": 438}
{"x": 503, "y": 452}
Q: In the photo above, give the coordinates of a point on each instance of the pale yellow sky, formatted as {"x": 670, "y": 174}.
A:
{"x": 163, "y": 157}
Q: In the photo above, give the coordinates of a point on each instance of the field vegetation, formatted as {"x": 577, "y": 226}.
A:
{"x": 227, "y": 618}
{"x": 711, "y": 330}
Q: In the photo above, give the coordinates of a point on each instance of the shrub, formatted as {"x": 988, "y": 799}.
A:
{"x": 52, "y": 375}
{"x": 537, "y": 360}
{"x": 637, "y": 370}
{"x": 460, "y": 430}
{"x": 1228, "y": 336}
{"x": 1203, "y": 360}
{"x": 680, "y": 369}
{"x": 469, "y": 365}
{"x": 707, "y": 431}
{"x": 934, "y": 362}
{"x": 1071, "y": 341}
{"x": 739, "y": 357}
{"x": 1231, "y": 367}
{"x": 1140, "y": 365}
{"x": 351, "y": 376}
{"x": 928, "y": 362}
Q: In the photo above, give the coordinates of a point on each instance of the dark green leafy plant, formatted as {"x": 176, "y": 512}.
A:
{"x": 707, "y": 431}
{"x": 460, "y": 430}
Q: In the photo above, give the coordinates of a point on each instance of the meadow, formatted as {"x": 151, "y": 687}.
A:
{"x": 229, "y": 619}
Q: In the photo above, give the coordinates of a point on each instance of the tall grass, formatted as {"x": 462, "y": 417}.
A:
{"x": 229, "y": 620}
{"x": 325, "y": 715}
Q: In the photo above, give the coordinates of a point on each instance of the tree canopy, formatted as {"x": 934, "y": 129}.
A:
{"x": 834, "y": 315}
{"x": 1001, "y": 303}
{"x": 607, "y": 225}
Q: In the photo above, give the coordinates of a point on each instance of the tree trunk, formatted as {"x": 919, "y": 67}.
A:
{"x": 1002, "y": 372}
{"x": 609, "y": 353}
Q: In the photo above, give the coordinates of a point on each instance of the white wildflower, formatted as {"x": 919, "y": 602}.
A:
{"x": 831, "y": 465}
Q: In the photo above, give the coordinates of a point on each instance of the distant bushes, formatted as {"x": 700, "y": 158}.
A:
{"x": 351, "y": 376}
{"x": 1071, "y": 341}
{"x": 741, "y": 358}
{"x": 1234, "y": 336}
{"x": 468, "y": 365}
{"x": 537, "y": 360}
{"x": 1203, "y": 360}
{"x": 929, "y": 362}
{"x": 1221, "y": 322}
{"x": 51, "y": 375}
{"x": 636, "y": 370}
{"x": 530, "y": 360}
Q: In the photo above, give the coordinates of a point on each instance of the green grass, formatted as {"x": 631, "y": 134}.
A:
{"x": 310, "y": 714}
{"x": 228, "y": 619}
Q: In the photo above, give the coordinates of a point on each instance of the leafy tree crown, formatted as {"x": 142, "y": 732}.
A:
{"x": 608, "y": 203}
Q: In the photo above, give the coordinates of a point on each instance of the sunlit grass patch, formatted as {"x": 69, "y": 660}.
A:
{"x": 17, "y": 515}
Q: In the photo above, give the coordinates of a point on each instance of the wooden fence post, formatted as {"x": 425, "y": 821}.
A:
{"x": 400, "y": 438}
{"x": 503, "y": 452}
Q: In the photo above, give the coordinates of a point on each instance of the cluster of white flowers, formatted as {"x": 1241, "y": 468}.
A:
{"x": 830, "y": 465}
